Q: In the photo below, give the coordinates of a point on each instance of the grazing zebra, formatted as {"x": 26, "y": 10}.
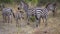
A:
{"x": 43, "y": 13}
{"x": 18, "y": 16}
{"x": 6, "y": 13}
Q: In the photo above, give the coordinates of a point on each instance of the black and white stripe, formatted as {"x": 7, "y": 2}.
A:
{"x": 27, "y": 10}
{"x": 43, "y": 13}
{"x": 40, "y": 13}
{"x": 6, "y": 13}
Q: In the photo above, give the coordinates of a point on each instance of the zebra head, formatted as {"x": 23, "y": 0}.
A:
{"x": 51, "y": 6}
{"x": 24, "y": 5}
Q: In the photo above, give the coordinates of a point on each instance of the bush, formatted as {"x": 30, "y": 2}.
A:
{"x": 32, "y": 18}
{"x": 32, "y": 1}
{"x": 58, "y": 1}
{"x": 6, "y": 1}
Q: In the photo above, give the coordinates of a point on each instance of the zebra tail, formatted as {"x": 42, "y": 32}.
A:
{"x": 13, "y": 13}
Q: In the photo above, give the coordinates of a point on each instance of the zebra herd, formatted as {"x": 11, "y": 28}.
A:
{"x": 37, "y": 12}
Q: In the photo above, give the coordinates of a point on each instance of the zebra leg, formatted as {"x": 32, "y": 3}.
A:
{"x": 28, "y": 17}
{"x": 53, "y": 12}
{"x": 17, "y": 24}
{"x": 28, "y": 21}
{"x": 4, "y": 19}
{"x": 45, "y": 20}
{"x": 10, "y": 18}
{"x": 39, "y": 21}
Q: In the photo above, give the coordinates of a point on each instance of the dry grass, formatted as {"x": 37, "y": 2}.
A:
{"x": 53, "y": 26}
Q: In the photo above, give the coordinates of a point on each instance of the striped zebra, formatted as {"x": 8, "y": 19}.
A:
{"x": 52, "y": 7}
{"x": 6, "y": 13}
{"x": 27, "y": 10}
{"x": 18, "y": 16}
{"x": 43, "y": 13}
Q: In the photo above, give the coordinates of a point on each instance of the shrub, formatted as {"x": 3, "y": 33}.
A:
{"x": 6, "y": 1}
{"x": 32, "y": 18}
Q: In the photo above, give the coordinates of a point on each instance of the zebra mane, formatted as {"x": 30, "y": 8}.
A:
{"x": 47, "y": 5}
{"x": 54, "y": 4}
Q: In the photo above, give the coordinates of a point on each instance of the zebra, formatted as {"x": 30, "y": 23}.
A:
{"x": 18, "y": 16}
{"x": 40, "y": 13}
{"x": 27, "y": 10}
{"x": 7, "y": 13}
{"x": 43, "y": 13}
{"x": 52, "y": 7}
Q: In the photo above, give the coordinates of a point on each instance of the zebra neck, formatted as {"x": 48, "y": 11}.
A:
{"x": 47, "y": 9}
